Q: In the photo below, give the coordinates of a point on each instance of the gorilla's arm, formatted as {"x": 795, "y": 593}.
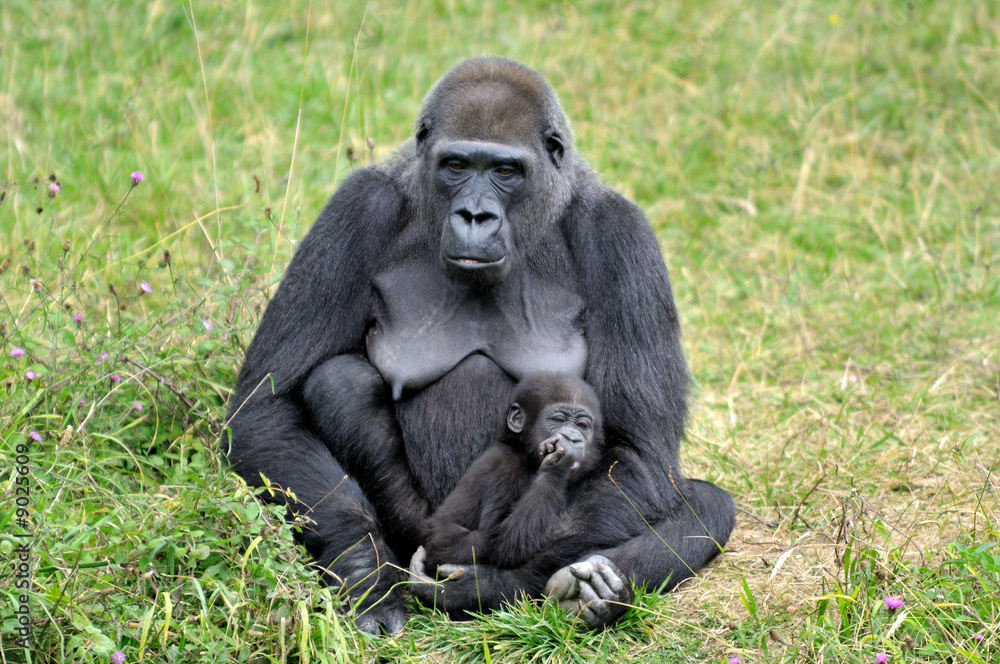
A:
{"x": 320, "y": 311}
{"x": 526, "y": 526}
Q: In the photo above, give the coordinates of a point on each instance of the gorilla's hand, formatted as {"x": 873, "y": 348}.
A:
{"x": 458, "y": 591}
{"x": 422, "y": 586}
{"x": 417, "y": 562}
{"x": 387, "y": 615}
{"x": 594, "y": 589}
{"x": 377, "y": 605}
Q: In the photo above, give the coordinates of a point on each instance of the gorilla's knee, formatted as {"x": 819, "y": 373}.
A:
{"x": 716, "y": 511}
{"x": 341, "y": 380}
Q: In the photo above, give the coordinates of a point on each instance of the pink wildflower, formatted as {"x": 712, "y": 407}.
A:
{"x": 893, "y": 603}
{"x": 54, "y": 189}
{"x": 116, "y": 378}
{"x": 137, "y": 406}
{"x": 16, "y": 351}
{"x": 35, "y": 436}
{"x": 30, "y": 375}
{"x": 881, "y": 658}
{"x": 145, "y": 287}
{"x": 136, "y": 177}
{"x": 118, "y": 657}
{"x": 77, "y": 318}
{"x": 207, "y": 323}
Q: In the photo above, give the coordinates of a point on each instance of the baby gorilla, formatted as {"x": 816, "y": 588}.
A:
{"x": 509, "y": 501}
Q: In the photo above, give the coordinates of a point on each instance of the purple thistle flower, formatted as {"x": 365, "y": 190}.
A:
{"x": 208, "y": 324}
{"x": 116, "y": 378}
{"x": 102, "y": 357}
{"x": 145, "y": 287}
{"x": 979, "y": 637}
{"x": 893, "y": 603}
{"x": 136, "y": 177}
{"x": 35, "y": 436}
{"x": 17, "y": 351}
{"x": 77, "y": 318}
{"x": 736, "y": 660}
{"x": 118, "y": 657}
{"x": 54, "y": 189}
{"x": 81, "y": 403}
{"x": 881, "y": 658}
{"x": 137, "y": 406}
{"x": 30, "y": 375}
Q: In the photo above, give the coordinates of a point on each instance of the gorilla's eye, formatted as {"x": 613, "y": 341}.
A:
{"x": 505, "y": 171}
{"x": 583, "y": 425}
{"x": 456, "y": 166}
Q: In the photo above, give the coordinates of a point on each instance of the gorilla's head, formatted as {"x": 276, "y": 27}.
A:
{"x": 556, "y": 413}
{"x": 497, "y": 165}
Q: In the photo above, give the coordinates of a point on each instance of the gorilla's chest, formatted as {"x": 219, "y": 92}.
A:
{"x": 425, "y": 326}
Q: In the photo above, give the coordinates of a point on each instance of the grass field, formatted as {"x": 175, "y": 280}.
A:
{"x": 824, "y": 178}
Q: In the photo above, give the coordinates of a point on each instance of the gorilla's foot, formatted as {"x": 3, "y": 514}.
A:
{"x": 594, "y": 589}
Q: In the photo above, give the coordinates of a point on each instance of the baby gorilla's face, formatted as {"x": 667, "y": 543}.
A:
{"x": 562, "y": 431}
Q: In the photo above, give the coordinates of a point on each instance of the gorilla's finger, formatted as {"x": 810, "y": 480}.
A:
{"x": 596, "y": 612}
{"x": 582, "y": 570}
{"x": 449, "y": 572}
{"x": 607, "y": 584}
{"x": 607, "y": 579}
{"x": 379, "y": 619}
{"x": 592, "y": 609}
{"x": 589, "y": 595}
{"x": 418, "y": 558}
{"x": 367, "y": 624}
{"x": 394, "y": 622}
{"x": 562, "y": 586}
{"x": 417, "y": 564}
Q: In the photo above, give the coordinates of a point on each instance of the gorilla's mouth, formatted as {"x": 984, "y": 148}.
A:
{"x": 470, "y": 263}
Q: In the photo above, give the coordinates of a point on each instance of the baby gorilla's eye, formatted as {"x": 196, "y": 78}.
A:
{"x": 583, "y": 425}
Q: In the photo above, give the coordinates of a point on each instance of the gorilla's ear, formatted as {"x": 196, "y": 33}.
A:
{"x": 555, "y": 147}
{"x": 515, "y": 418}
{"x": 423, "y": 131}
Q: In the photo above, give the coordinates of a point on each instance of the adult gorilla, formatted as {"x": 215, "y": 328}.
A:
{"x": 484, "y": 250}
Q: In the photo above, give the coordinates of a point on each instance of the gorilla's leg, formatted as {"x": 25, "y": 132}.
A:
{"x": 338, "y": 525}
{"x": 598, "y": 587}
{"x": 352, "y": 411}
{"x": 349, "y": 547}
{"x": 683, "y": 542}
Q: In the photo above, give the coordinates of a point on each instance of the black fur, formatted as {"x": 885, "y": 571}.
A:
{"x": 370, "y": 433}
{"x": 510, "y": 501}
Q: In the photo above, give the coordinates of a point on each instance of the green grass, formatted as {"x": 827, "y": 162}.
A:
{"x": 824, "y": 180}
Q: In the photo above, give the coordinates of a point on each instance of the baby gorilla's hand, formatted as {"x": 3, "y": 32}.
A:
{"x": 554, "y": 456}
{"x": 548, "y": 446}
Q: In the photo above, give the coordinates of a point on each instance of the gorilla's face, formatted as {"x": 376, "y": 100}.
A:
{"x": 480, "y": 185}
{"x": 492, "y": 142}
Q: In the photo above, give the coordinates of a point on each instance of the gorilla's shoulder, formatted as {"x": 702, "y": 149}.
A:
{"x": 598, "y": 209}
{"x": 372, "y": 199}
